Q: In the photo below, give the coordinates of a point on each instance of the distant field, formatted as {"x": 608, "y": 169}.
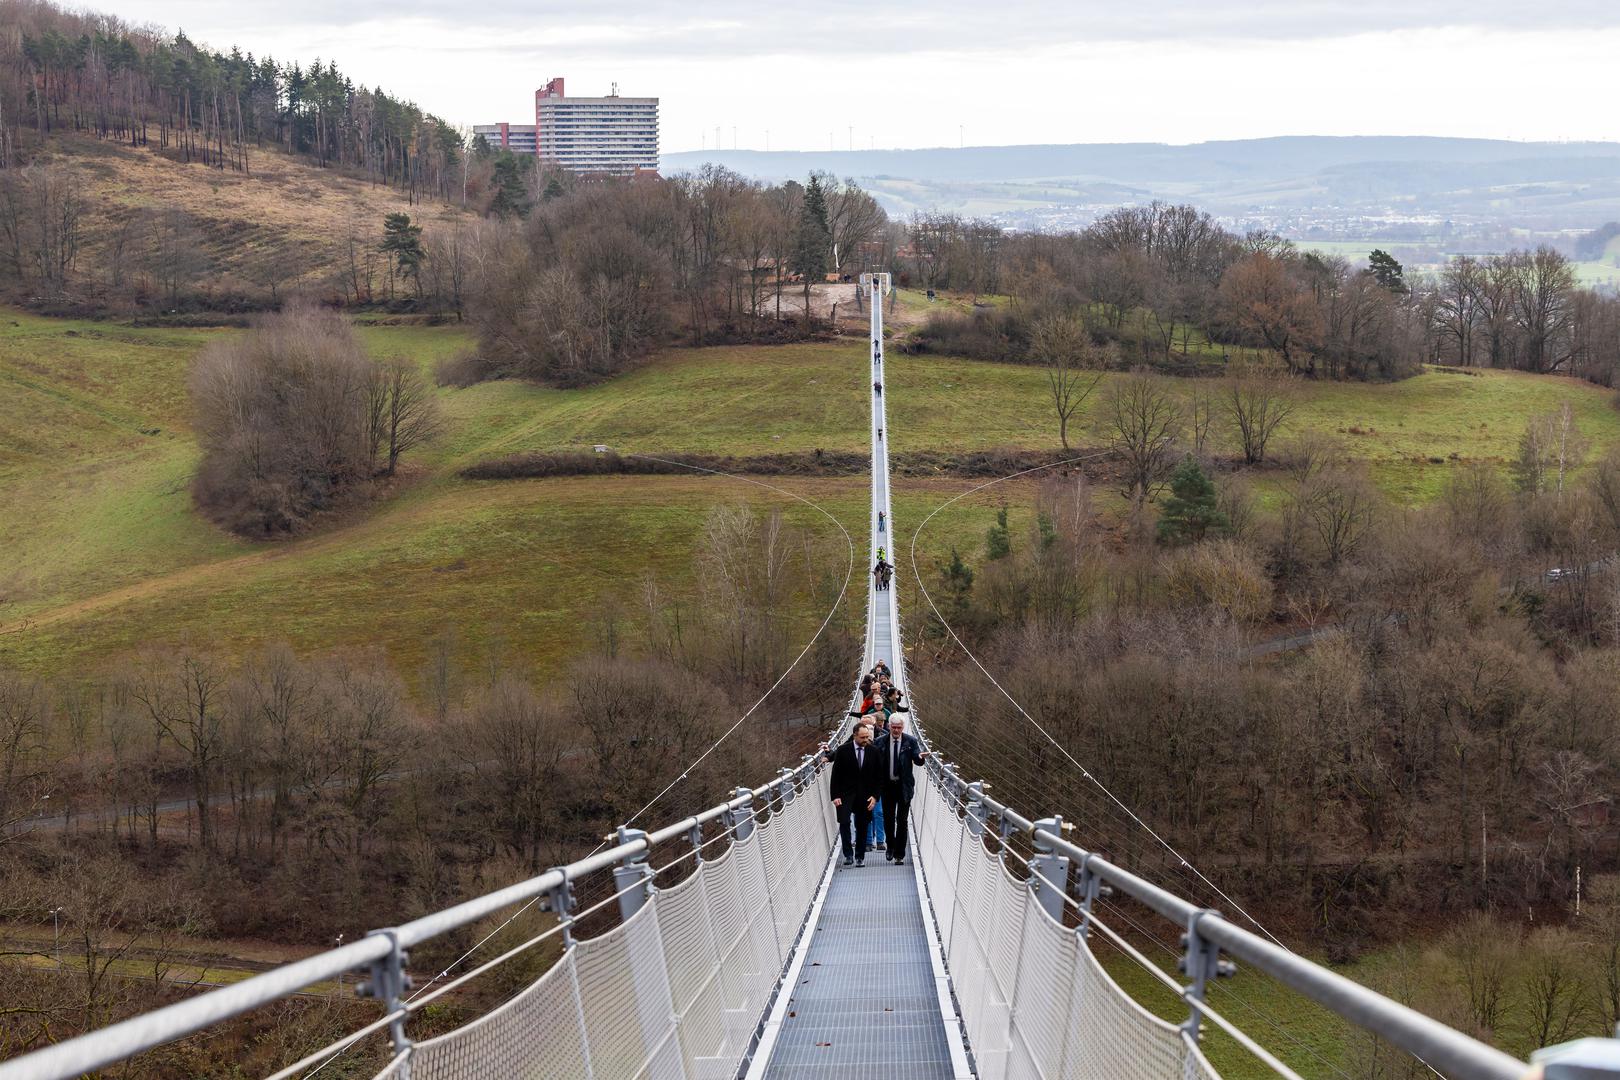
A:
{"x": 1605, "y": 274}
{"x": 105, "y": 552}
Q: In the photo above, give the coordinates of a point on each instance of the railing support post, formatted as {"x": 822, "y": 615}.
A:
{"x": 1090, "y": 887}
{"x": 560, "y": 902}
{"x": 741, "y": 820}
{"x": 785, "y": 784}
{"x": 630, "y": 873}
{"x": 388, "y": 984}
{"x": 1200, "y": 962}
{"x": 1049, "y": 871}
{"x": 977, "y": 812}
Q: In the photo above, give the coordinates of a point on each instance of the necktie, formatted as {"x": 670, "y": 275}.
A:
{"x": 860, "y": 758}
{"x": 894, "y": 751}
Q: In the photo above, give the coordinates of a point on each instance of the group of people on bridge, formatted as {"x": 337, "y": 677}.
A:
{"x": 883, "y": 570}
{"x": 872, "y": 779}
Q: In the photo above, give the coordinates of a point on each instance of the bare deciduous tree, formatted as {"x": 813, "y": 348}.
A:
{"x": 183, "y": 696}
{"x": 23, "y": 710}
{"x": 1266, "y": 301}
{"x": 401, "y": 412}
{"x": 1478, "y": 946}
{"x": 1145, "y": 422}
{"x": 1257, "y": 402}
{"x": 1341, "y": 506}
{"x": 1551, "y": 447}
{"x": 1555, "y": 996}
{"x": 1073, "y": 367}
{"x": 517, "y": 741}
{"x": 41, "y": 222}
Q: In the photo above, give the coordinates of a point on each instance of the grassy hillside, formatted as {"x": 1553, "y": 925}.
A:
{"x": 283, "y": 207}
{"x": 106, "y": 552}
{"x": 735, "y": 401}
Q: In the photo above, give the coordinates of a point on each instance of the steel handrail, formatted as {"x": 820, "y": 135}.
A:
{"x": 106, "y": 1046}
{"x": 1452, "y": 1052}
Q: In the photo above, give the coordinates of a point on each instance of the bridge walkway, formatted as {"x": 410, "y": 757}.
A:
{"x": 866, "y": 1001}
{"x": 870, "y": 997}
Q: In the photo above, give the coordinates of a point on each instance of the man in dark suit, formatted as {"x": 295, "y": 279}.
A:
{"x": 856, "y": 776}
{"x": 898, "y": 752}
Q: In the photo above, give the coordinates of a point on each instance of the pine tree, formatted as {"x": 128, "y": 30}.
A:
{"x": 958, "y": 586}
{"x": 511, "y": 194}
{"x": 998, "y": 538}
{"x": 1191, "y": 512}
{"x": 402, "y": 243}
{"x": 1047, "y": 528}
{"x": 1389, "y": 273}
{"x": 812, "y": 247}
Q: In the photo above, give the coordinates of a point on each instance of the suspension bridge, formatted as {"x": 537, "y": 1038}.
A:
{"x": 733, "y": 944}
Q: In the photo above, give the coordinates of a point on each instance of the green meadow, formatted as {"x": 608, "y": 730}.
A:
{"x": 105, "y": 553}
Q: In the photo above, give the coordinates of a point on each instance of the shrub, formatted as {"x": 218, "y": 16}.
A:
{"x": 463, "y": 369}
{"x": 986, "y": 334}
{"x": 1222, "y": 575}
{"x": 294, "y": 418}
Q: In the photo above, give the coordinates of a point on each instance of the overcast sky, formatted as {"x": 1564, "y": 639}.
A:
{"x": 917, "y": 74}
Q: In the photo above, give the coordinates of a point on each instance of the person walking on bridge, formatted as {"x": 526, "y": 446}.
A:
{"x": 898, "y": 752}
{"x": 871, "y": 697}
{"x": 857, "y": 773}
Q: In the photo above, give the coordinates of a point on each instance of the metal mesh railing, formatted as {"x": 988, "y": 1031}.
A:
{"x": 1034, "y": 1002}
{"x": 674, "y": 991}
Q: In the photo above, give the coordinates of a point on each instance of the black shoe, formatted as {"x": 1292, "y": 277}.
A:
{"x": 880, "y": 845}
{"x": 900, "y": 861}
{"x": 859, "y": 863}
{"x": 848, "y": 861}
{"x": 886, "y": 855}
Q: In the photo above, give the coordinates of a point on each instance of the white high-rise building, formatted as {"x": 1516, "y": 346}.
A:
{"x": 614, "y": 135}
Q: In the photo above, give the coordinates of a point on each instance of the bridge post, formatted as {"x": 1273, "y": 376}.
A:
{"x": 977, "y": 812}
{"x": 628, "y": 874}
{"x": 1090, "y": 887}
{"x": 741, "y": 820}
{"x": 694, "y": 836}
{"x": 388, "y": 984}
{"x": 785, "y": 783}
{"x": 1049, "y": 871}
{"x": 1201, "y": 962}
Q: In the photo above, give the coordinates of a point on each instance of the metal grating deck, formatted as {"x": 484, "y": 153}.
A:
{"x": 865, "y": 1003}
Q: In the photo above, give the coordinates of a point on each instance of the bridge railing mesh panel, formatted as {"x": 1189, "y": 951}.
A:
{"x": 673, "y": 993}
{"x": 1034, "y": 1001}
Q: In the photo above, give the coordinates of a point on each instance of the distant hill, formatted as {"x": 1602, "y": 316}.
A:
{"x": 1144, "y": 162}
{"x": 1536, "y": 185}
